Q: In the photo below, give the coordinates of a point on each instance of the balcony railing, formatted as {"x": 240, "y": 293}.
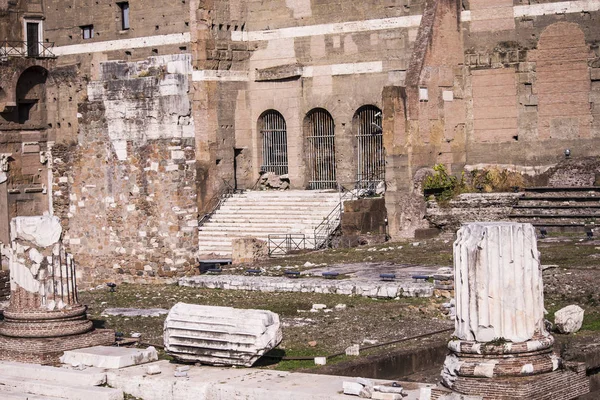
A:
{"x": 24, "y": 49}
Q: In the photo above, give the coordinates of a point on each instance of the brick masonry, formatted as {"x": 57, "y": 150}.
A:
{"x": 482, "y": 83}
{"x": 49, "y": 350}
{"x": 565, "y": 384}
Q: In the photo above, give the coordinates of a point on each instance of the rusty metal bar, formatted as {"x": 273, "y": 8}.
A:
{"x": 274, "y": 146}
{"x": 370, "y": 152}
{"x": 321, "y": 150}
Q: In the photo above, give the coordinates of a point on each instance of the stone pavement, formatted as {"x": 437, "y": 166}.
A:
{"x": 211, "y": 383}
{"x": 363, "y": 281}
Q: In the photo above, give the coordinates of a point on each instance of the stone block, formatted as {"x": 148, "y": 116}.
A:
{"x": 87, "y": 377}
{"x": 352, "y": 388}
{"x": 71, "y": 391}
{"x": 569, "y": 319}
{"x": 109, "y": 357}
{"x": 245, "y": 250}
{"x": 386, "y": 396}
{"x": 220, "y": 335}
{"x": 43, "y": 231}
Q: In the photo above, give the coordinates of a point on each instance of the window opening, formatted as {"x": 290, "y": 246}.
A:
{"x": 87, "y": 31}
{"x": 124, "y": 6}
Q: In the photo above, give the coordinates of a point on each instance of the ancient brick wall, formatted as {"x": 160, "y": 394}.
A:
{"x": 539, "y": 67}
{"x": 126, "y": 192}
{"x": 65, "y": 19}
{"x": 521, "y": 92}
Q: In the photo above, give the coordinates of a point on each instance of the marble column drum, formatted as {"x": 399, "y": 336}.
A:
{"x": 44, "y": 316}
{"x": 499, "y": 326}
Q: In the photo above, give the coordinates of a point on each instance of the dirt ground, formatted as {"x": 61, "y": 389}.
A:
{"x": 571, "y": 276}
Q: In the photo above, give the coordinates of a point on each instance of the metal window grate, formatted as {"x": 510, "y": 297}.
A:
{"x": 274, "y": 143}
{"x": 371, "y": 156}
{"x": 321, "y": 149}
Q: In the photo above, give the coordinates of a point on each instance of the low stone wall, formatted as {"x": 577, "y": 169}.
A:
{"x": 470, "y": 207}
{"x": 363, "y": 222}
{"x": 356, "y": 287}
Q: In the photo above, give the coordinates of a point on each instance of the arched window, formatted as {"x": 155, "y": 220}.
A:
{"x": 371, "y": 158}
{"x": 274, "y": 142}
{"x": 319, "y": 131}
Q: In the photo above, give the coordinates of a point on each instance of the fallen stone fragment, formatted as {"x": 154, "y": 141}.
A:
{"x": 182, "y": 374}
{"x": 222, "y": 336}
{"x": 319, "y": 306}
{"x": 388, "y": 389}
{"x": 312, "y": 343}
{"x": 386, "y": 396}
{"x": 353, "y": 350}
{"x": 182, "y": 368}
{"x": 365, "y": 382}
{"x": 320, "y": 360}
{"x": 153, "y": 369}
{"x": 569, "y": 319}
{"x": 366, "y": 392}
{"x": 340, "y": 307}
{"x": 352, "y": 388}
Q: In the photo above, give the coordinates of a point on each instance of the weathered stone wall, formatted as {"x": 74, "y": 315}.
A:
{"x": 126, "y": 192}
{"x": 470, "y": 207}
{"x": 148, "y": 18}
{"x": 521, "y": 92}
{"x": 288, "y": 57}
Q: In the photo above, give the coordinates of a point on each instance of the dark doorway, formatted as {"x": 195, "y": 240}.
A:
{"x": 237, "y": 155}
{"x": 33, "y": 39}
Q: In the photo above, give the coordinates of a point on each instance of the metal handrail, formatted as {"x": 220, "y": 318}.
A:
{"x": 23, "y": 49}
{"x": 226, "y": 192}
{"x": 332, "y": 221}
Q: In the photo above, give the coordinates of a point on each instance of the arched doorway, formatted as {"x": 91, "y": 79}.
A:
{"x": 369, "y": 147}
{"x": 320, "y": 138}
{"x": 271, "y": 125}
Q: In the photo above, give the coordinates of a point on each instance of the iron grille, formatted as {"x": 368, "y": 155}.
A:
{"x": 371, "y": 157}
{"x": 321, "y": 150}
{"x": 274, "y": 145}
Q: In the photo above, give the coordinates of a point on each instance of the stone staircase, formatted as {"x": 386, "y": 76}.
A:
{"x": 259, "y": 214}
{"x": 563, "y": 209}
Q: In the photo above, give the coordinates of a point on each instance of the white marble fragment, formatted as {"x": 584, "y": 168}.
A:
{"x": 43, "y": 231}
{"x": 220, "y": 335}
{"x": 351, "y": 388}
{"x": 569, "y": 319}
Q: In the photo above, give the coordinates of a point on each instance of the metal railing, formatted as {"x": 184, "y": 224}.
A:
{"x": 24, "y": 49}
{"x": 225, "y": 192}
{"x": 332, "y": 222}
{"x": 281, "y": 244}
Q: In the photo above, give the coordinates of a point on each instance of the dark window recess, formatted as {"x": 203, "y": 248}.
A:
{"x": 33, "y": 39}
{"x": 124, "y": 15}
{"x": 87, "y": 31}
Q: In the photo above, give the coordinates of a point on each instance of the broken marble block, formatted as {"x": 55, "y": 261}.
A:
{"x": 569, "y": 319}
{"x": 220, "y": 335}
